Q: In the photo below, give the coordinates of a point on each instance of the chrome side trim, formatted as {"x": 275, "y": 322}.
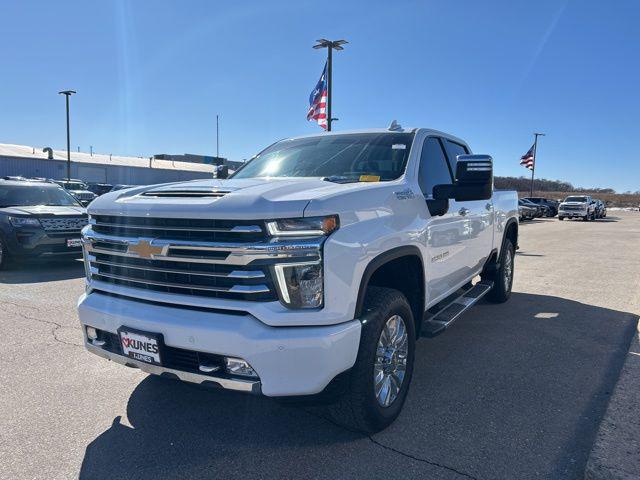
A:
{"x": 248, "y": 386}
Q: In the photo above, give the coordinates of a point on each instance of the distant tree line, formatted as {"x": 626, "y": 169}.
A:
{"x": 523, "y": 184}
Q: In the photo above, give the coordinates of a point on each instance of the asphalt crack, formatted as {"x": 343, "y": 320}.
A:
{"x": 395, "y": 450}
{"x": 55, "y": 325}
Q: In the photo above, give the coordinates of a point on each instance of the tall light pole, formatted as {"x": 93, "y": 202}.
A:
{"x": 535, "y": 151}
{"x": 67, "y": 94}
{"x": 330, "y": 45}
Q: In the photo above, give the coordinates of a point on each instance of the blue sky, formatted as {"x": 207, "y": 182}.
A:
{"x": 152, "y": 75}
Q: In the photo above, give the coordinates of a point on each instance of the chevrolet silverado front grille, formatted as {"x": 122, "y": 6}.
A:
{"x": 179, "y": 228}
{"x": 189, "y": 257}
{"x": 187, "y": 278}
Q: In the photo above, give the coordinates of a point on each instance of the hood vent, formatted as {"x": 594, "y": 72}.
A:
{"x": 192, "y": 193}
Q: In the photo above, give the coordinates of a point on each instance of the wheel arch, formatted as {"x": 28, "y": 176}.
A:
{"x": 385, "y": 269}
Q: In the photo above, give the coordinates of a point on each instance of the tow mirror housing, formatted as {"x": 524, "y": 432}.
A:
{"x": 474, "y": 180}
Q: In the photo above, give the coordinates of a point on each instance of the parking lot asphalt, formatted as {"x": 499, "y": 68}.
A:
{"x": 510, "y": 391}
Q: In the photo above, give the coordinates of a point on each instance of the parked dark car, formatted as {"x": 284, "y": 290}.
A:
{"x": 99, "y": 188}
{"x": 552, "y": 205}
{"x": 539, "y": 209}
{"x": 38, "y": 219}
{"x": 121, "y": 187}
{"x": 526, "y": 212}
{"x": 601, "y": 209}
{"x": 78, "y": 189}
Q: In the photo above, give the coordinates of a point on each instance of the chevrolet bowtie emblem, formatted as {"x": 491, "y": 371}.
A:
{"x": 144, "y": 249}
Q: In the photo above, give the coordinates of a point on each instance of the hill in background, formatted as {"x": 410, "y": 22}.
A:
{"x": 558, "y": 190}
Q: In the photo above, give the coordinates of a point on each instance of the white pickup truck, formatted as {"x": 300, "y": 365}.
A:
{"x": 313, "y": 270}
{"x": 577, "y": 206}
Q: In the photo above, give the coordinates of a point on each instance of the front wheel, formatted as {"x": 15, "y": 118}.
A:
{"x": 503, "y": 276}
{"x": 561, "y": 218}
{"x": 379, "y": 380}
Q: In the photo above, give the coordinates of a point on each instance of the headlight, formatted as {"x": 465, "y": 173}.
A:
{"x": 24, "y": 222}
{"x": 301, "y": 284}
{"x": 303, "y": 226}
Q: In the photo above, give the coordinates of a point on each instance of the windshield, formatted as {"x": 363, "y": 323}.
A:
{"x": 29, "y": 195}
{"x": 575, "y": 199}
{"x": 351, "y": 157}
{"x": 74, "y": 186}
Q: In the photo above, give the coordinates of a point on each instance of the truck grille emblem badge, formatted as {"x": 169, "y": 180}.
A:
{"x": 144, "y": 249}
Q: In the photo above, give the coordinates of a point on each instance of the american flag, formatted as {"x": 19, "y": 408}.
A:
{"x": 527, "y": 159}
{"x": 318, "y": 101}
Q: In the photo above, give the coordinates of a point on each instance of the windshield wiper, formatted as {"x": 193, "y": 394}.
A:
{"x": 341, "y": 179}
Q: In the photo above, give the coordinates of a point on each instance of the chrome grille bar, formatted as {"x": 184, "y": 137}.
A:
{"x": 247, "y": 289}
{"x": 233, "y": 253}
{"x": 239, "y": 274}
{"x": 129, "y": 226}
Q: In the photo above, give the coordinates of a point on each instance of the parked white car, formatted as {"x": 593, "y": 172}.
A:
{"x": 314, "y": 269}
{"x": 578, "y": 206}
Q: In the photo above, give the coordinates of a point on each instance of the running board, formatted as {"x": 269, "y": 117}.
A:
{"x": 442, "y": 319}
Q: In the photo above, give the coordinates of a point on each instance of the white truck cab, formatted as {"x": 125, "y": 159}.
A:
{"x": 313, "y": 269}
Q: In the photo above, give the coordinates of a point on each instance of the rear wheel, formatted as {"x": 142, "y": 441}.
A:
{"x": 502, "y": 277}
{"x": 4, "y": 255}
{"x": 379, "y": 380}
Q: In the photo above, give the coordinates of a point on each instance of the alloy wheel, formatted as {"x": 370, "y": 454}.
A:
{"x": 391, "y": 361}
{"x": 508, "y": 269}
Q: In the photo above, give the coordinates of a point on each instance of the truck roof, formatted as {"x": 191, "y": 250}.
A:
{"x": 382, "y": 130}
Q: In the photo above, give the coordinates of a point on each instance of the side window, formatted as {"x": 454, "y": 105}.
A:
{"x": 433, "y": 166}
{"x": 453, "y": 150}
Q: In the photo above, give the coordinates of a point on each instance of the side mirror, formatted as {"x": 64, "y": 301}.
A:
{"x": 474, "y": 180}
{"x": 222, "y": 171}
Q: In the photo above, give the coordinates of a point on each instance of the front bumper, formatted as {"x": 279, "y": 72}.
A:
{"x": 248, "y": 386}
{"x": 572, "y": 213}
{"x": 28, "y": 242}
{"x": 289, "y": 361}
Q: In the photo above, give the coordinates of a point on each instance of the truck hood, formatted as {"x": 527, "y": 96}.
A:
{"x": 44, "y": 210}
{"x": 250, "y": 199}
{"x": 574, "y": 204}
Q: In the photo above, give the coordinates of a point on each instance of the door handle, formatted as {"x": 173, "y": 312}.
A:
{"x": 463, "y": 211}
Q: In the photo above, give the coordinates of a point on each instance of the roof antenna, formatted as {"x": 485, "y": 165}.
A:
{"x": 395, "y": 126}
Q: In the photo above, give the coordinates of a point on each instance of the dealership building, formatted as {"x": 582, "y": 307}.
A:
{"x": 21, "y": 160}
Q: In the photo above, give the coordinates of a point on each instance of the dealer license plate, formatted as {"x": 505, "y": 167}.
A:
{"x": 74, "y": 242}
{"x": 140, "y": 346}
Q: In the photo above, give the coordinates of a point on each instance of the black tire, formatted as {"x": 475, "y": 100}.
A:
{"x": 501, "y": 290}
{"x": 561, "y": 218}
{"x": 358, "y": 409}
{"x": 4, "y": 255}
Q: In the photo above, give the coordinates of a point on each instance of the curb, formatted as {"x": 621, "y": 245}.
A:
{"x": 616, "y": 452}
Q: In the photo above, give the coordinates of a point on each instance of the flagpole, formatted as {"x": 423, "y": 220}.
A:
{"x": 330, "y": 45}
{"x": 329, "y": 84}
{"x": 535, "y": 151}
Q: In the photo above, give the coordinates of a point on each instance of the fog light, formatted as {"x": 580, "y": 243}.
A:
{"x": 92, "y": 334}
{"x": 237, "y": 366}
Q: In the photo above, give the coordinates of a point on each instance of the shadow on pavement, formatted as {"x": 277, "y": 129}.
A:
{"x": 510, "y": 391}
{"x": 42, "y": 271}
